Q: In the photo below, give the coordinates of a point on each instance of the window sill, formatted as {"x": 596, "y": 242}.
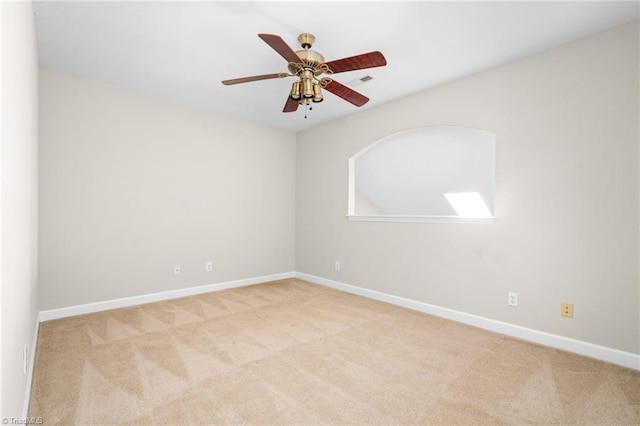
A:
{"x": 423, "y": 219}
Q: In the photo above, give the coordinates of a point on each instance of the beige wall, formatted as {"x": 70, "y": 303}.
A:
{"x": 18, "y": 197}
{"x": 566, "y": 196}
{"x": 132, "y": 185}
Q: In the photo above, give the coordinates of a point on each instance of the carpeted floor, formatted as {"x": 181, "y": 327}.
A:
{"x": 290, "y": 352}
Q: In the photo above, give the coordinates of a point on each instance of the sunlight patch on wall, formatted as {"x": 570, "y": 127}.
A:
{"x": 468, "y": 204}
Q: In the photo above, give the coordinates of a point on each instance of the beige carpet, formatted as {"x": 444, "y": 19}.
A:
{"x": 290, "y": 352}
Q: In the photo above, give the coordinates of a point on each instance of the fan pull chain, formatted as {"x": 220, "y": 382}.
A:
{"x": 307, "y": 107}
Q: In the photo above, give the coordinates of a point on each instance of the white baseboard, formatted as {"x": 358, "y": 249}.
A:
{"x": 603, "y": 353}
{"x": 155, "y": 297}
{"x": 32, "y": 363}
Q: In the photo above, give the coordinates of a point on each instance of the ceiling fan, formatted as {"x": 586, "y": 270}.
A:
{"x": 308, "y": 66}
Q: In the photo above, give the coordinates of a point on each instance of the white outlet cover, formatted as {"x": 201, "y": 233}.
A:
{"x": 513, "y": 299}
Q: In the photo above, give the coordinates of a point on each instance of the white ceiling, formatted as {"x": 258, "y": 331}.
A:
{"x": 181, "y": 51}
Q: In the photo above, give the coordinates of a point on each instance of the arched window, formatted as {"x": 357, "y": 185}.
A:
{"x": 428, "y": 174}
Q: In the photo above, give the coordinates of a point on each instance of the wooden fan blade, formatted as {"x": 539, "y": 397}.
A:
{"x": 291, "y": 105}
{"x": 358, "y": 62}
{"x": 346, "y": 93}
{"x": 280, "y": 46}
{"x": 254, "y": 78}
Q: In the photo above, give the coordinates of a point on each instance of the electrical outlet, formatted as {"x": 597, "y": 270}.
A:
{"x": 337, "y": 265}
{"x": 208, "y": 266}
{"x": 566, "y": 310}
{"x": 513, "y": 299}
{"x": 176, "y": 269}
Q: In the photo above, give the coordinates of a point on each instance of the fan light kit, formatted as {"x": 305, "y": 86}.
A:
{"x": 308, "y": 66}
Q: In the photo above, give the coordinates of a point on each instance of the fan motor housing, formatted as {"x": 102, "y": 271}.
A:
{"x": 310, "y": 59}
